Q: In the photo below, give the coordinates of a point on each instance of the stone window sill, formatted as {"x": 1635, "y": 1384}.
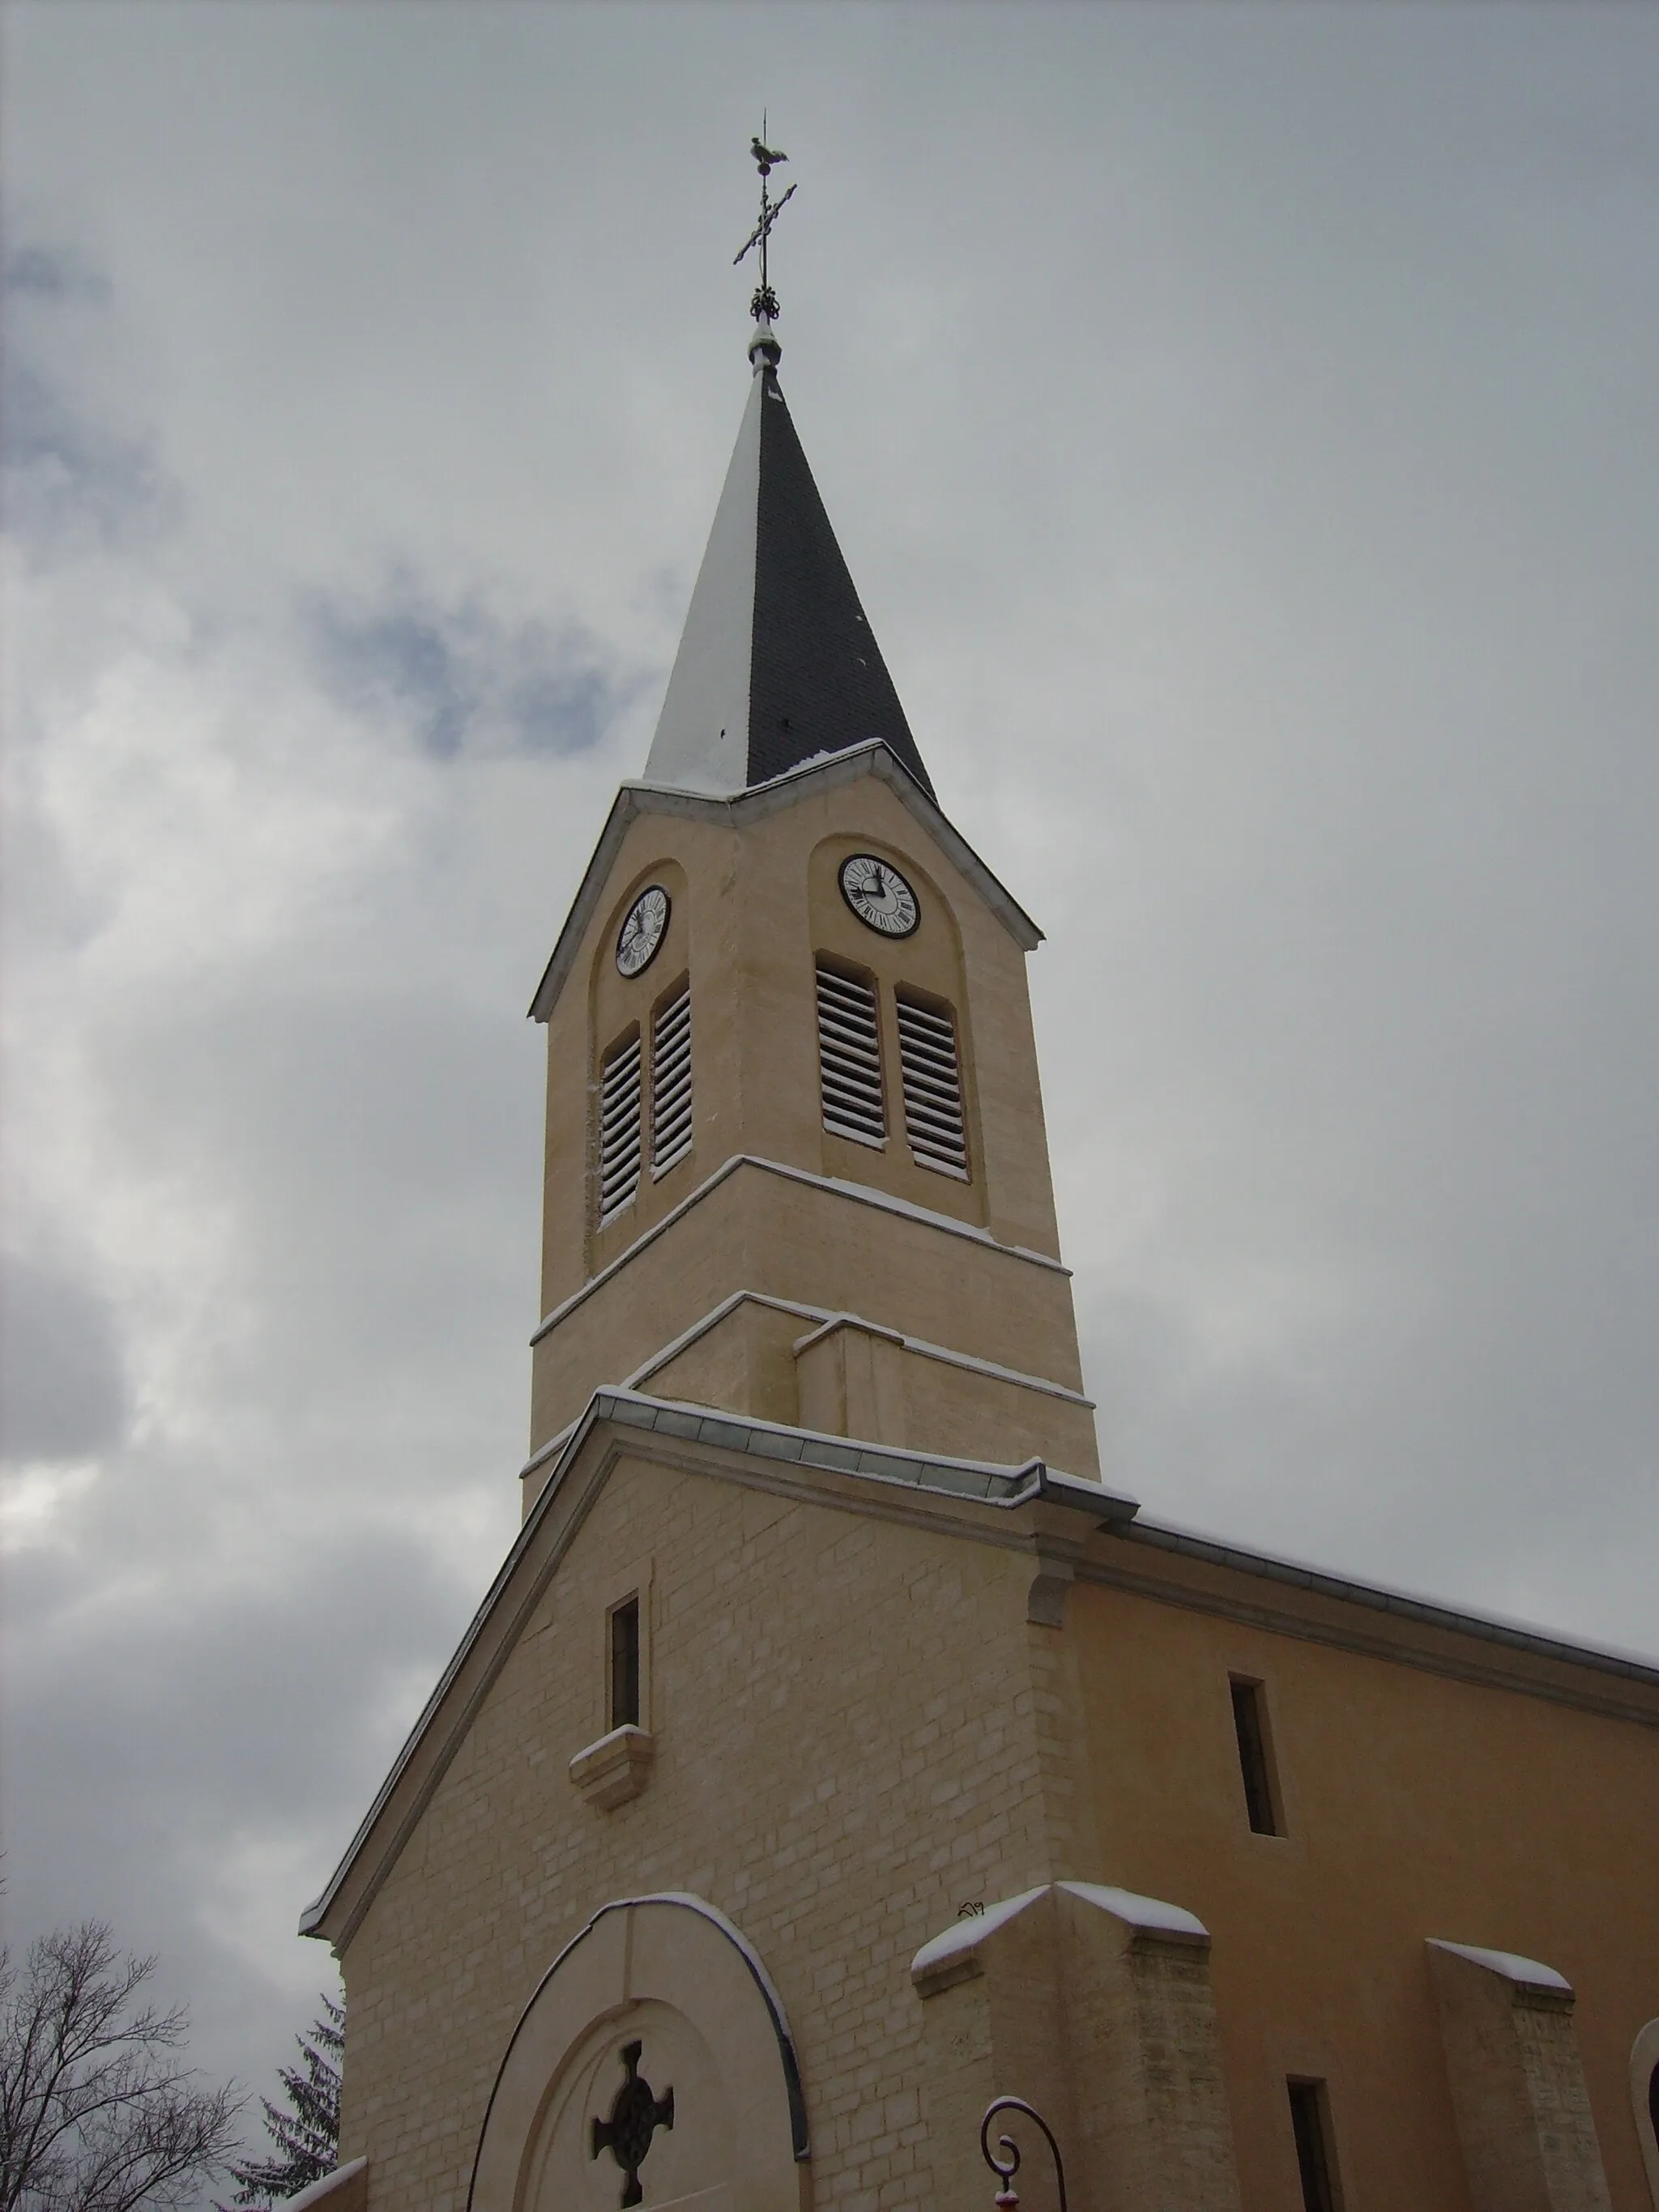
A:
{"x": 616, "y": 1768}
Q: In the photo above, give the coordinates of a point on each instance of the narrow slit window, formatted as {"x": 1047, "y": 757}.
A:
{"x": 619, "y": 1128}
{"x": 625, "y": 1664}
{"x": 670, "y": 1081}
{"x": 849, "y": 1059}
{"x": 931, "y": 1067}
{"x": 1250, "y": 1726}
{"x": 1310, "y": 2123}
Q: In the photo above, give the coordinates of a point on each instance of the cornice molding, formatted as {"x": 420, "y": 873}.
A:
{"x": 835, "y": 1186}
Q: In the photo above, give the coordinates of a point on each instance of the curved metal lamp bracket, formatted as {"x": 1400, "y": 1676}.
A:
{"x": 1008, "y": 2166}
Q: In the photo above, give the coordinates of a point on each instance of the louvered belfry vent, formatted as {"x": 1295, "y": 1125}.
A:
{"x": 670, "y": 1081}
{"x": 932, "y": 1070}
{"x": 620, "y": 1135}
{"x": 849, "y": 1058}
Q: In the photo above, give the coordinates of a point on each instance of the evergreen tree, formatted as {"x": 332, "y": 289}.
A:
{"x": 307, "y": 2135}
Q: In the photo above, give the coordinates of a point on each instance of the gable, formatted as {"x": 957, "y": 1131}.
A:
{"x": 874, "y": 759}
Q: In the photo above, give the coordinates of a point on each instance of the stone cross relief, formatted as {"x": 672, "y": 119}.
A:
{"x": 636, "y": 2113}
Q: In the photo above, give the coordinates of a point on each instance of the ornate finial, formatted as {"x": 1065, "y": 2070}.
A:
{"x": 765, "y": 350}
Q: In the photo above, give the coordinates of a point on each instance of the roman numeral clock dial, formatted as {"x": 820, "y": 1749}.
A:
{"x": 642, "y": 930}
{"x": 878, "y": 895}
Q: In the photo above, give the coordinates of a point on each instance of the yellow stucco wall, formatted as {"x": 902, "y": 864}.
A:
{"x": 1413, "y": 1807}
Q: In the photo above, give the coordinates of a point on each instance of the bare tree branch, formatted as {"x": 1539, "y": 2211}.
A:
{"x": 97, "y": 2115}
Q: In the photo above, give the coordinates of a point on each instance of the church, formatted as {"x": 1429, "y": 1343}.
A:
{"x": 837, "y": 1750}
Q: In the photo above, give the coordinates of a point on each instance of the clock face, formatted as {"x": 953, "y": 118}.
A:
{"x": 878, "y": 895}
{"x": 643, "y": 928}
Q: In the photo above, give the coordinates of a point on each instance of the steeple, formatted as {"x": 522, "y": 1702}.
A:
{"x": 777, "y": 664}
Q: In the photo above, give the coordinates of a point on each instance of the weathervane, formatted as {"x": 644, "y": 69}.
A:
{"x": 764, "y": 305}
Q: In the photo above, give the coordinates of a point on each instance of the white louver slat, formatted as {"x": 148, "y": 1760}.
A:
{"x": 849, "y": 1059}
{"x": 671, "y": 1082}
{"x": 932, "y": 1070}
{"x": 620, "y": 1135}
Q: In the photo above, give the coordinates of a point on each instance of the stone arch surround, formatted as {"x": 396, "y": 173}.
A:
{"x": 1643, "y": 2097}
{"x": 671, "y": 1973}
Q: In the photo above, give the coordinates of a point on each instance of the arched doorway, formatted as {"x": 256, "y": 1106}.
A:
{"x": 654, "y": 2067}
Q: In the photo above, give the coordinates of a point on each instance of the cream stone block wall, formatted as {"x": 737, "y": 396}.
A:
{"x": 851, "y": 1382}
{"x": 846, "y": 1748}
{"x": 855, "y": 1381}
{"x": 752, "y": 907}
{"x": 1095, "y": 2006}
{"x": 1517, "y": 2086}
{"x": 784, "y": 1237}
{"x": 744, "y": 1363}
{"x": 842, "y": 1376}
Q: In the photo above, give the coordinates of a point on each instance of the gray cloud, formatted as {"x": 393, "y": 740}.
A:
{"x": 455, "y": 673}
{"x": 66, "y": 474}
{"x": 1239, "y": 423}
{"x": 63, "y": 1390}
{"x": 46, "y": 272}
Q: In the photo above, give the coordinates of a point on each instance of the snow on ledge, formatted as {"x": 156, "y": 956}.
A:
{"x": 320, "y": 2190}
{"x": 966, "y": 1936}
{"x": 946, "y": 1958}
{"x": 1150, "y": 1913}
{"x": 1528, "y": 1972}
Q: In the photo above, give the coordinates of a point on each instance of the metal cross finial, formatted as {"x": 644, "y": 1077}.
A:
{"x": 764, "y": 305}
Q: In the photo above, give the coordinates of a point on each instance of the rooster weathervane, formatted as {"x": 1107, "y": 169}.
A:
{"x": 764, "y": 305}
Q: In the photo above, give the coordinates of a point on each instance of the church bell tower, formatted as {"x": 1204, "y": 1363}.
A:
{"x": 834, "y": 1757}
{"x": 796, "y": 1168}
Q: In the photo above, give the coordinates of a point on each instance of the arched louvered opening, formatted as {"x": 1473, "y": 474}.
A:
{"x": 620, "y": 1133}
{"x": 671, "y": 1079}
{"x": 931, "y": 1068}
{"x": 849, "y": 1058}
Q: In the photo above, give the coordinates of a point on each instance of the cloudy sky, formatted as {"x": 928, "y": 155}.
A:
{"x": 1241, "y": 424}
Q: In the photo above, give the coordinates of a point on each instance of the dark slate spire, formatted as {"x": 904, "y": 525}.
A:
{"x": 777, "y": 664}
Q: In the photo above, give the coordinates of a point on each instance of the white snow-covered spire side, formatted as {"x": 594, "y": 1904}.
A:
{"x": 777, "y": 664}
{"x": 702, "y": 734}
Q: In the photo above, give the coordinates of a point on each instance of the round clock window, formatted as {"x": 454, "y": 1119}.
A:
{"x": 878, "y": 895}
{"x": 642, "y": 930}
